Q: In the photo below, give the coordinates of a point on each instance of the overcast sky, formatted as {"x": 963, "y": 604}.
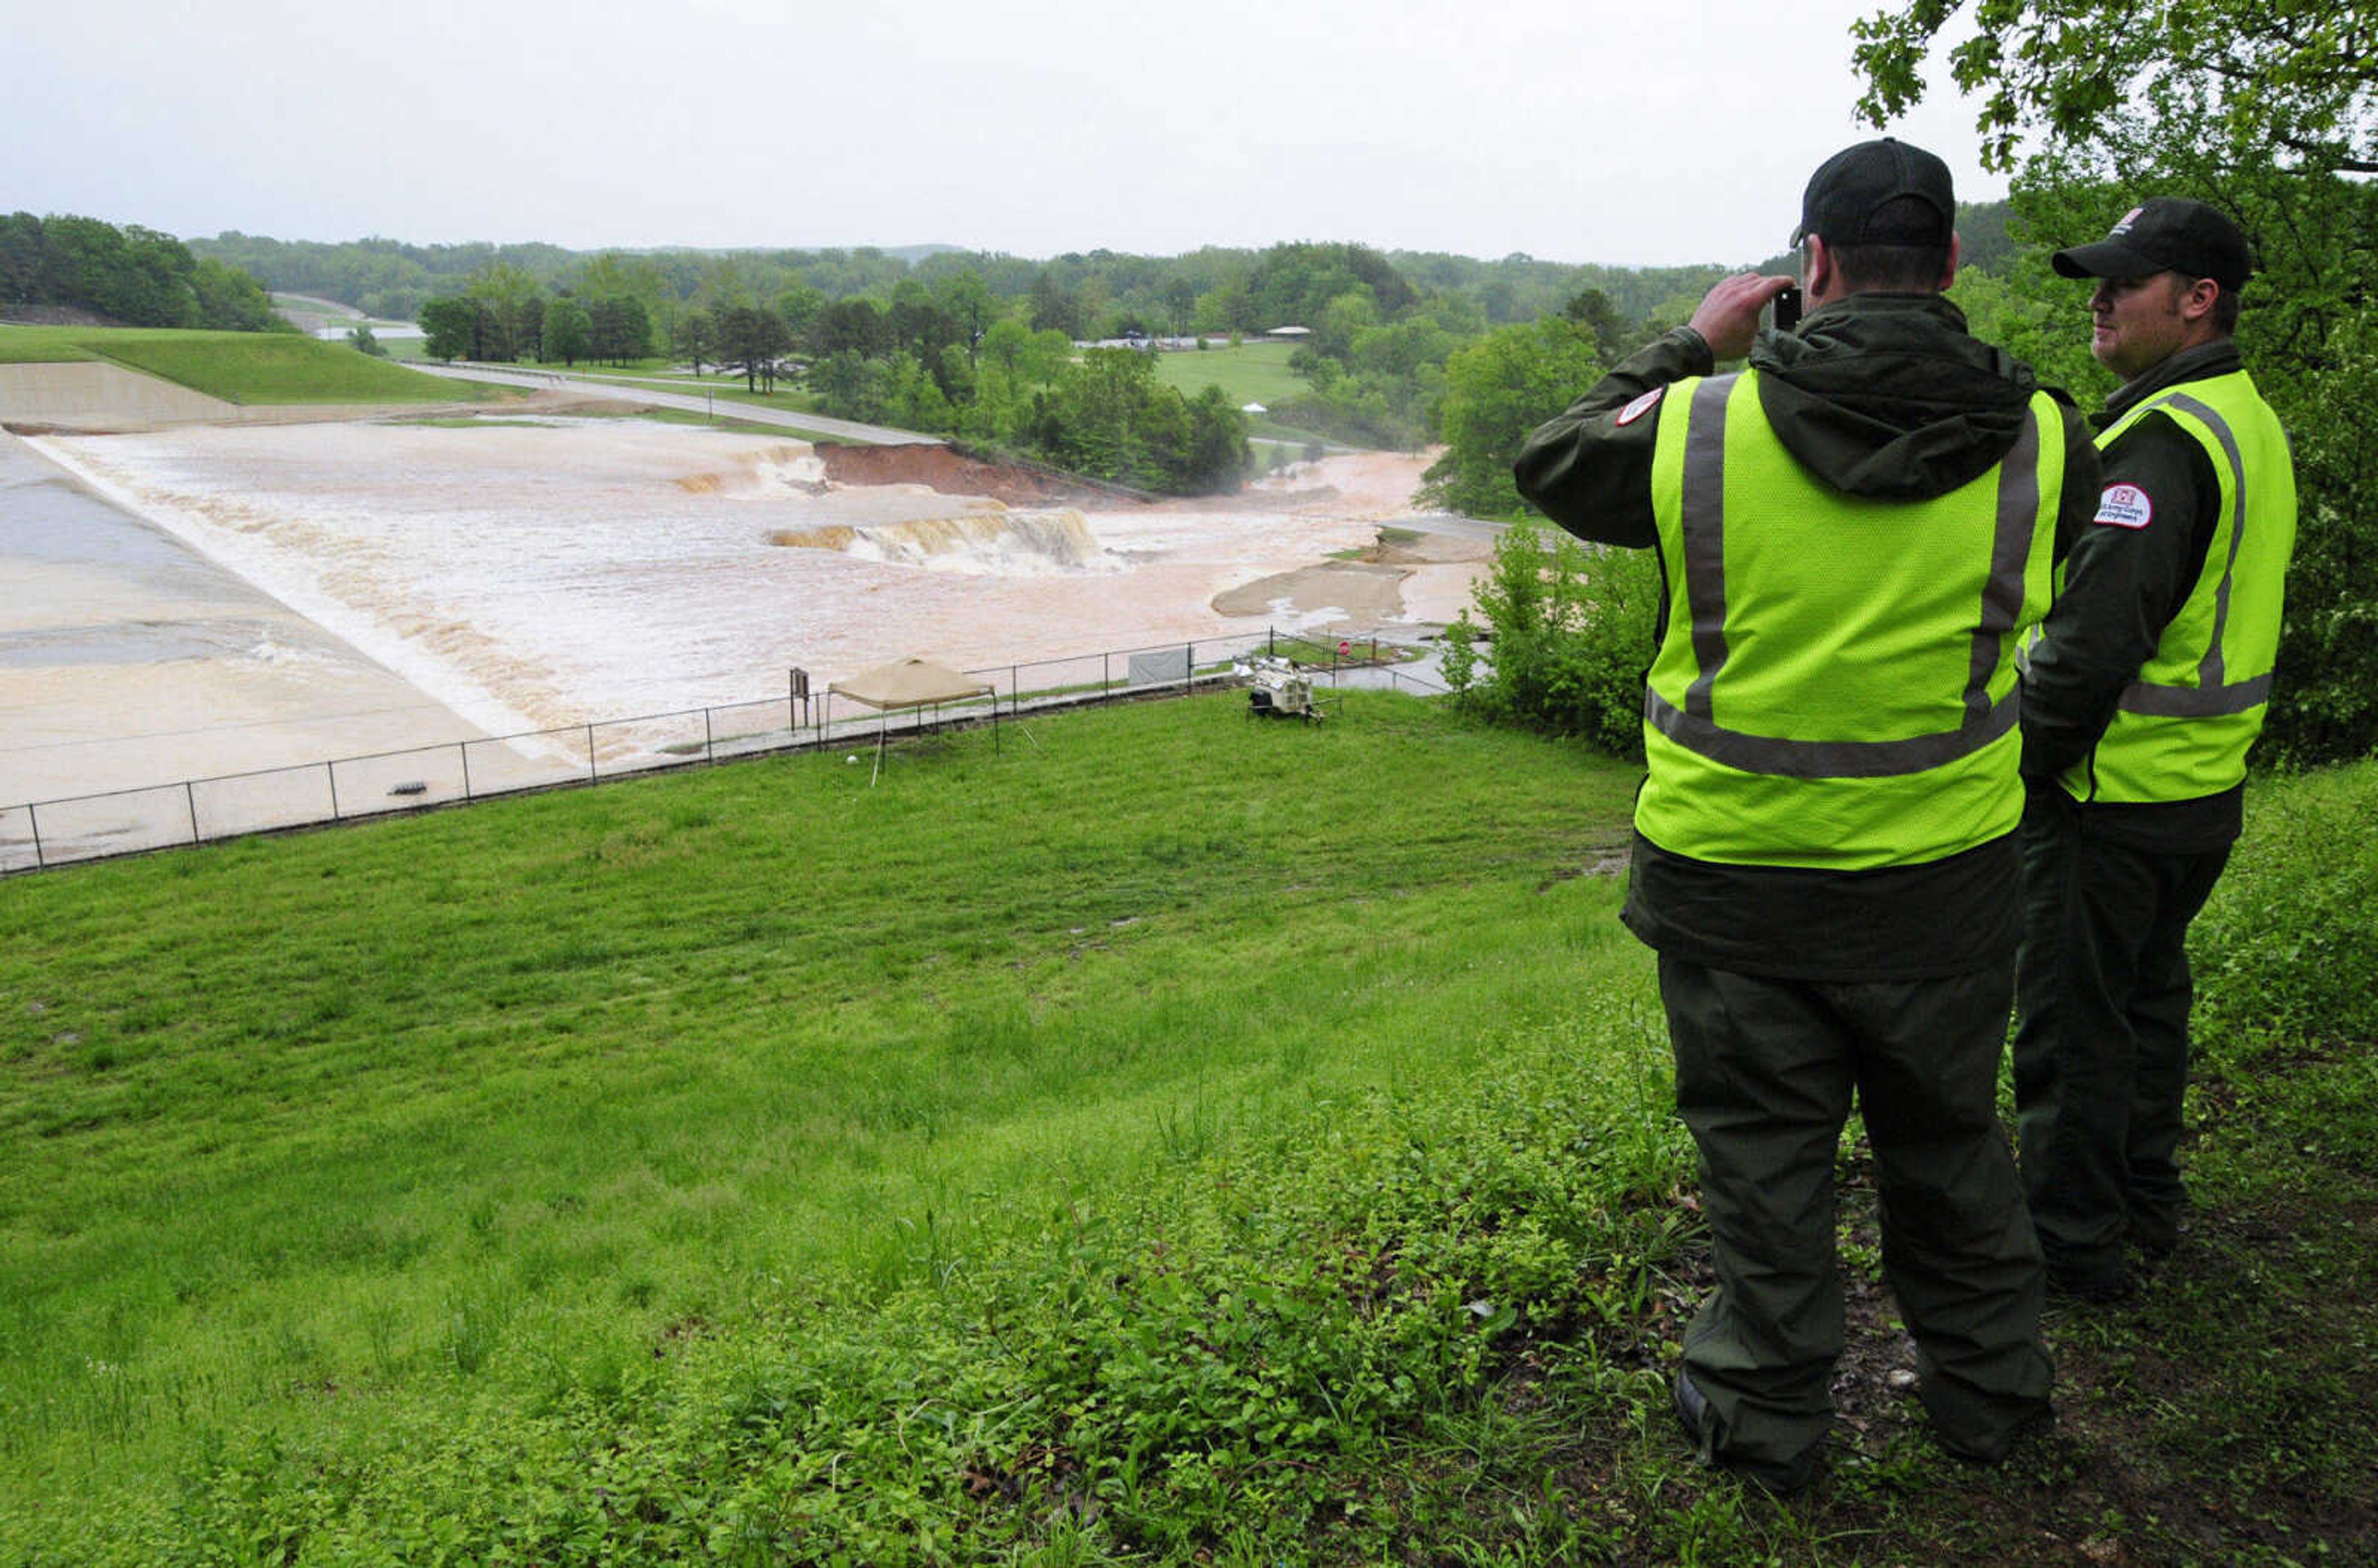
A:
{"x": 1656, "y": 132}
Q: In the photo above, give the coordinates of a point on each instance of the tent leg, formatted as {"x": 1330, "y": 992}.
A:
{"x": 877, "y": 771}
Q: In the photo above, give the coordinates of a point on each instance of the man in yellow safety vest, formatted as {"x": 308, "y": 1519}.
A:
{"x": 1856, "y": 532}
{"x": 2146, "y": 687}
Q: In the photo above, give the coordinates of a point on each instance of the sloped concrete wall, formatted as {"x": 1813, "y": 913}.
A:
{"x": 97, "y": 398}
{"x": 89, "y": 395}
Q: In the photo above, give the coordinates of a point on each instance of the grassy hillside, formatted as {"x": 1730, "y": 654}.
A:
{"x": 1253, "y": 372}
{"x": 44, "y": 345}
{"x": 1168, "y": 1137}
{"x": 242, "y": 368}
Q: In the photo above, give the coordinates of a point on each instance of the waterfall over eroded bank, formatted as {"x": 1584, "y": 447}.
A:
{"x": 993, "y": 543}
{"x": 511, "y": 576}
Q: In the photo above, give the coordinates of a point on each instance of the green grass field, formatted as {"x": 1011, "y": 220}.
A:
{"x": 43, "y": 345}
{"x": 1167, "y": 1137}
{"x": 250, "y": 368}
{"x": 1253, "y": 372}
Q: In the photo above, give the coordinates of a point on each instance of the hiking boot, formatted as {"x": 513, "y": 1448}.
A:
{"x": 1788, "y": 1479}
{"x": 2155, "y": 1236}
{"x": 2092, "y": 1290}
{"x": 1998, "y": 1445}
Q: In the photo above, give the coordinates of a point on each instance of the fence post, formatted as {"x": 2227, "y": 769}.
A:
{"x": 34, "y": 815}
{"x": 331, "y": 771}
{"x": 1106, "y": 668}
{"x": 191, "y": 799}
{"x": 591, "y": 776}
{"x": 1015, "y": 695}
{"x": 709, "y": 740}
{"x": 464, "y": 748}
{"x": 1191, "y": 683}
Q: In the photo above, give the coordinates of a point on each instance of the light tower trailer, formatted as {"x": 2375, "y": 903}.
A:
{"x": 1277, "y": 689}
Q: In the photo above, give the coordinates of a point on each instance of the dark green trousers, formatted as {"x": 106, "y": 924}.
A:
{"x": 1766, "y": 1071}
{"x": 2102, "y": 994}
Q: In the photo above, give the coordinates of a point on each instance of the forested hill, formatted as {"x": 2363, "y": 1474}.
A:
{"x": 131, "y": 275}
{"x": 1108, "y": 292}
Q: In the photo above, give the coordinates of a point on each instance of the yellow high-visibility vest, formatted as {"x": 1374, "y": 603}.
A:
{"x": 2183, "y": 727}
{"x": 1836, "y": 687}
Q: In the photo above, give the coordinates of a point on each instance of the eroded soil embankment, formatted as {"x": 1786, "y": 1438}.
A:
{"x": 952, "y": 472}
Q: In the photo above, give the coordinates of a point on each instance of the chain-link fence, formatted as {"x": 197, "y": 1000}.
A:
{"x": 57, "y": 833}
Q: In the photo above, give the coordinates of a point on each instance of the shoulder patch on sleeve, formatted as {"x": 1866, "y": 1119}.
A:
{"x": 2125, "y": 506}
{"x": 1641, "y": 406}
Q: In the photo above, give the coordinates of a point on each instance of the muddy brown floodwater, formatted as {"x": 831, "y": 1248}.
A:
{"x": 283, "y": 594}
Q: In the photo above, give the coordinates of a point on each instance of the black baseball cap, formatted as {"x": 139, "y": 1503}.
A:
{"x": 2165, "y": 234}
{"x": 1857, "y": 197}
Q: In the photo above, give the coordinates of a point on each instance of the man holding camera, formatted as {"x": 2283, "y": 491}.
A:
{"x": 2147, "y": 685}
{"x": 1853, "y": 532}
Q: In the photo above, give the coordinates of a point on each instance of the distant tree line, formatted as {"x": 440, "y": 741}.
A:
{"x": 984, "y": 346}
{"x": 133, "y": 275}
{"x": 1093, "y": 296}
{"x": 949, "y": 357}
{"x": 506, "y": 315}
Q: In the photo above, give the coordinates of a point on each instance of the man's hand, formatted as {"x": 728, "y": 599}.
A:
{"x": 1728, "y": 315}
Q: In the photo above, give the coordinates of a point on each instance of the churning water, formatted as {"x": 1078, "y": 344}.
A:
{"x": 532, "y": 574}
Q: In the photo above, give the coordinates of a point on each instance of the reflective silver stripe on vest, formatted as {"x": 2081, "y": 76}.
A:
{"x": 1701, "y": 518}
{"x": 2010, "y": 554}
{"x": 1701, "y": 521}
{"x": 2209, "y": 697}
{"x": 2196, "y": 702}
{"x": 1828, "y": 759}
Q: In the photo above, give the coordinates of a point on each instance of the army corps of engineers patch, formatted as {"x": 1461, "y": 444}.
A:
{"x": 2125, "y": 506}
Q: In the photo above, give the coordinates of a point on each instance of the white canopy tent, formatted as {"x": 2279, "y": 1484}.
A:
{"x": 907, "y": 685}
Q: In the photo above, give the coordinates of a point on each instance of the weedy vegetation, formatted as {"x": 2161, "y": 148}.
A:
{"x": 1165, "y": 1138}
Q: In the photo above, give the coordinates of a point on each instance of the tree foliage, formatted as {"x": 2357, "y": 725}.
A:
{"x": 622, "y": 329}
{"x": 1497, "y": 390}
{"x": 1570, "y": 633}
{"x": 449, "y": 327}
{"x": 751, "y": 338}
{"x": 1108, "y": 415}
{"x": 2268, "y": 109}
{"x": 133, "y": 275}
{"x": 569, "y": 331}
{"x": 2302, "y": 79}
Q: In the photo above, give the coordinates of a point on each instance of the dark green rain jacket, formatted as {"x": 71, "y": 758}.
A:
{"x": 1881, "y": 395}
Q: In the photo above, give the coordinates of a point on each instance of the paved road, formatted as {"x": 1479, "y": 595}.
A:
{"x": 692, "y": 402}
{"x": 1469, "y": 527}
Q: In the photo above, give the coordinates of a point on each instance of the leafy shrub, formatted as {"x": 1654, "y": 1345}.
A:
{"x": 1570, "y": 632}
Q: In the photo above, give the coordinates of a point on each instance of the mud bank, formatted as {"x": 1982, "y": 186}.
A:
{"x": 952, "y": 472}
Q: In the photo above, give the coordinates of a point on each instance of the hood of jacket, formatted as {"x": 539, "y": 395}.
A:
{"x": 1888, "y": 396}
